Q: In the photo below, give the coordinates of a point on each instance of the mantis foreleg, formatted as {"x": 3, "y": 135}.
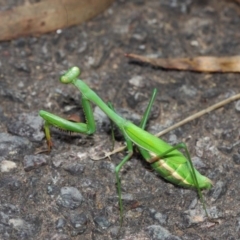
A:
{"x": 52, "y": 120}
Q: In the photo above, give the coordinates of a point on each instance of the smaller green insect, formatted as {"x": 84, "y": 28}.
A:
{"x": 165, "y": 159}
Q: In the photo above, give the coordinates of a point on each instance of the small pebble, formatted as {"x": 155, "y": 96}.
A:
{"x": 237, "y": 106}
{"x": 70, "y": 198}
{"x": 31, "y": 162}
{"x": 102, "y": 222}
{"x": 7, "y": 166}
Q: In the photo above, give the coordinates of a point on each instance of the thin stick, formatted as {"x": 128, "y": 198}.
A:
{"x": 108, "y": 154}
{"x": 186, "y": 120}
{"x": 199, "y": 114}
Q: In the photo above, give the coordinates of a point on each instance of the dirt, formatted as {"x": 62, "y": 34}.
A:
{"x": 67, "y": 195}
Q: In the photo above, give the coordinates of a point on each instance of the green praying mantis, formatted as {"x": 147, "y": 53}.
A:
{"x": 165, "y": 159}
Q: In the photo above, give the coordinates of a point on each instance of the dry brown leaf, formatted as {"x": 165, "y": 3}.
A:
{"x": 46, "y": 16}
{"x": 237, "y": 1}
{"x": 74, "y": 118}
{"x": 197, "y": 64}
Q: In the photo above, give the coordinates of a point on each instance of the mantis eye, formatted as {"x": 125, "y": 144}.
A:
{"x": 70, "y": 75}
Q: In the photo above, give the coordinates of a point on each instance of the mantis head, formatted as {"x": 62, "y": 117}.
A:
{"x": 70, "y": 75}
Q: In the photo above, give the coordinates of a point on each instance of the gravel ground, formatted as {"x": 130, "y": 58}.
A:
{"x": 65, "y": 194}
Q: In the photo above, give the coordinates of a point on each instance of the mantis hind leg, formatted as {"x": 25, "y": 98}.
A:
{"x": 179, "y": 146}
{"x": 192, "y": 169}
